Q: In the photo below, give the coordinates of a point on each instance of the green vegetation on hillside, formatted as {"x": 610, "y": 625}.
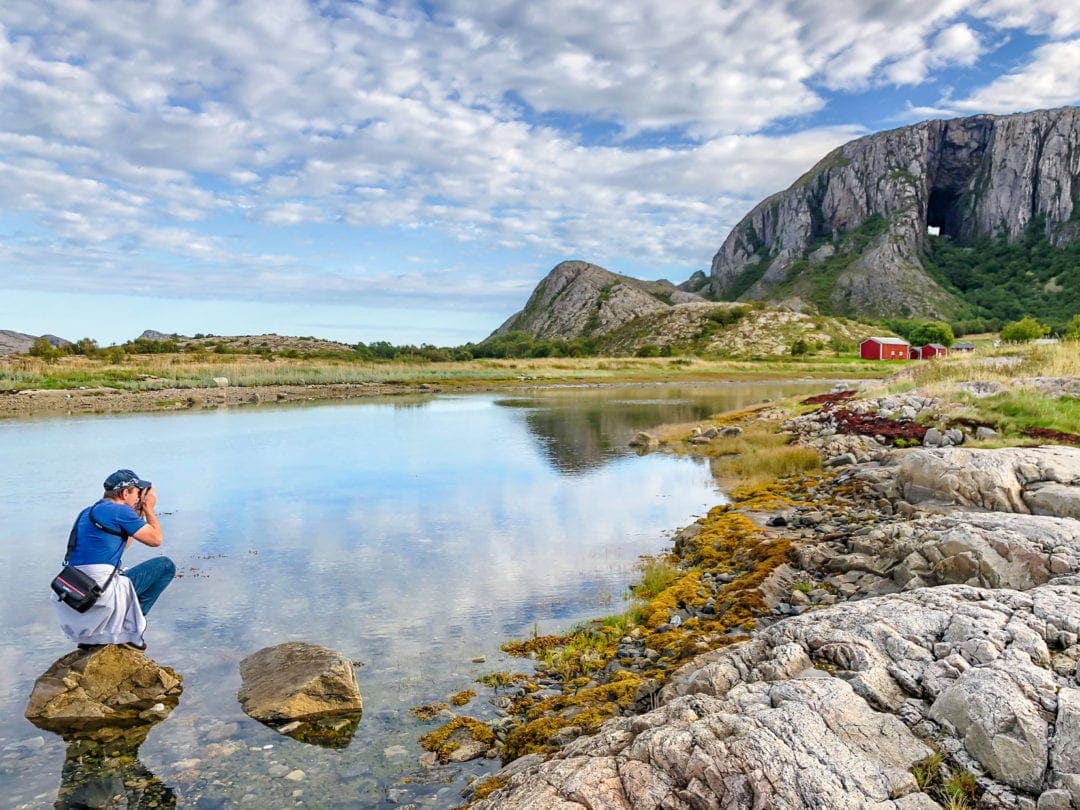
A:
{"x": 1004, "y": 282}
{"x": 919, "y": 333}
{"x": 816, "y": 280}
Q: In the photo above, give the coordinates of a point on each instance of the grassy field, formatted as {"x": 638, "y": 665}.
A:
{"x": 159, "y": 371}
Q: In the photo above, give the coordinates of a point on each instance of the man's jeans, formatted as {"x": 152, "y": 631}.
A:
{"x": 150, "y": 579}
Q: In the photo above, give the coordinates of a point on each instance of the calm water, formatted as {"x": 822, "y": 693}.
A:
{"x": 410, "y": 534}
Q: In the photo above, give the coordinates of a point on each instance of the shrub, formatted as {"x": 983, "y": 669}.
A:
{"x": 1023, "y": 331}
{"x": 931, "y": 332}
{"x": 1072, "y": 329}
{"x": 42, "y": 348}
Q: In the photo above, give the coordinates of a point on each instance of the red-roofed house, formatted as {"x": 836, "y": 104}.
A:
{"x": 884, "y": 348}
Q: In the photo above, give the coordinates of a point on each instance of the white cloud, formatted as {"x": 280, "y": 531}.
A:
{"x": 1050, "y": 79}
{"x": 603, "y": 131}
{"x": 1055, "y": 18}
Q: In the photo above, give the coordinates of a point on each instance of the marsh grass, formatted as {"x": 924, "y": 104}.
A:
{"x": 587, "y": 649}
{"x": 1000, "y": 365}
{"x": 656, "y": 574}
{"x": 927, "y": 772}
{"x": 158, "y": 371}
{"x": 760, "y": 456}
{"x": 1015, "y": 410}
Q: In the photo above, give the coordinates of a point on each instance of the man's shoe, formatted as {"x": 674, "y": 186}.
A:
{"x": 131, "y": 645}
{"x": 89, "y": 647}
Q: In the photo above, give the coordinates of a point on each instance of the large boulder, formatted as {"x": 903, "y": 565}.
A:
{"x": 110, "y": 687}
{"x": 297, "y": 681}
{"x": 1028, "y": 480}
{"x": 827, "y": 709}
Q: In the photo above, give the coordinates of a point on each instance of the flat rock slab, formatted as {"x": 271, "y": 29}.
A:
{"x": 986, "y": 549}
{"x": 298, "y": 681}
{"x": 1028, "y": 480}
{"x": 111, "y": 687}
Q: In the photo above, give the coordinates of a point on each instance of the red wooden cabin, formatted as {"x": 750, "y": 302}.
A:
{"x": 884, "y": 348}
{"x": 931, "y": 350}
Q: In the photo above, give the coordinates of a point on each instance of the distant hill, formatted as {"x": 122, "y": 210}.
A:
{"x": 243, "y": 344}
{"x": 20, "y": 343}
{"x": 852, "y": 236}
{"x": 621, "y": 315}
{"x": 579, "y": 299}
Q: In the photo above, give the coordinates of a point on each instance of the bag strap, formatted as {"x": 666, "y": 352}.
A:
{"x": 74, "y": 536}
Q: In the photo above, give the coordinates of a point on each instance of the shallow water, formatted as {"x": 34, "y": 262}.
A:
{"x": 411, "y": 534}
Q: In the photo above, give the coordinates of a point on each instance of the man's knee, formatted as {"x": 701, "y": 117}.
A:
{"x": 168, "y": 569}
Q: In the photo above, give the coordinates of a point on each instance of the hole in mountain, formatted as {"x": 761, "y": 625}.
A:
{"x": 943, "y": 212}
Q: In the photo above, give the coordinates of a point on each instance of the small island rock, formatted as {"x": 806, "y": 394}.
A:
{"x": 298, "y": 681}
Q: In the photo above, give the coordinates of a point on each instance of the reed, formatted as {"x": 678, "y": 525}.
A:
{"x": 158, "y": 371}
{"x": 759, "y": 456}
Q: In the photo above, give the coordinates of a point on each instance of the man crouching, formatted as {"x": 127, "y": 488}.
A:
{"x": 101, "y": 534}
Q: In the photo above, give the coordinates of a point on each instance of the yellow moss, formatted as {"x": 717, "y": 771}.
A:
{"x": 462, "y": 697}
{"x": 762, "y": 497}
{"x": 498, "y": 680}
{"x": 537, "y": 644}
{"x": 487, "y": 787}
{"x": 596, "y": 705}
{"x": 684, "y": 591}
{"x": 428, "y": 711}
{"x": 448, "y": 738}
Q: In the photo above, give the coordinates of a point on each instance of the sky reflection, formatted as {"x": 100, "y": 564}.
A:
{"x": 413, "y": 539}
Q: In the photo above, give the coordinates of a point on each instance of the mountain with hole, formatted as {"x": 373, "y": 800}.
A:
{"x": 966, "y": 218}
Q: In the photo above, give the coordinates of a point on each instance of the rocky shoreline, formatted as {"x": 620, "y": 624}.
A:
{"x": 901, "y": 630}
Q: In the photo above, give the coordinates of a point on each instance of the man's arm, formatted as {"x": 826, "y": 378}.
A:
{"x": 150, "y": 534}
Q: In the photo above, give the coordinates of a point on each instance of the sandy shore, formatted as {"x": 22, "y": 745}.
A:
{"x": 111, "y": 400}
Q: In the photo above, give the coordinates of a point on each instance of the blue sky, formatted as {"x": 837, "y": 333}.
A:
{"x": 409, "y": 171}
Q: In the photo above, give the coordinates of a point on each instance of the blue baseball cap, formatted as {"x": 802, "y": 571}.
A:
{"x": 122, "y": 479}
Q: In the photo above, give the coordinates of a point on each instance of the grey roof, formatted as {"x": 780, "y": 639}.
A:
{"x": 890, "y": 340}
{"x": 934, "y": 346}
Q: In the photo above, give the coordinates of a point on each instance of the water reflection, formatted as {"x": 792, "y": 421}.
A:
{"x": 581, "y": 428}
{"x": 453, "y": 518}
{"x": 96, "y": 774}
{"x": 330, "y": 732}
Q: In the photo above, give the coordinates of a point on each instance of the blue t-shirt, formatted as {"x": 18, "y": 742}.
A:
{"x": 94, "y": 546}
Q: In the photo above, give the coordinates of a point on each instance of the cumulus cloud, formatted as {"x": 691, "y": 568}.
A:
{"x": 192, "y": 136}
{"x": 1050, "y": 79}
{"x": 1055, "y": 18}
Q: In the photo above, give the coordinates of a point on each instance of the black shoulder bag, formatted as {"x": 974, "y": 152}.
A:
{"x": 75, "y": 589}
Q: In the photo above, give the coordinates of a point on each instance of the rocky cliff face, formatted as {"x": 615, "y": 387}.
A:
{"x": 849, "y": 234}
{"x": 578, "y": 299}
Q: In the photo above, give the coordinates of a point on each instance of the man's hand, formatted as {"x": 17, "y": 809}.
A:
{"x": 150, "y": 534}
{"x": 147, "y": 501}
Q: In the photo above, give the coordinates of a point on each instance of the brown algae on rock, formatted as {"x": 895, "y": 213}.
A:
{"x": 428, "y": 711}
{"x": 449, "y": 737}
{"x": 462, "y": 697}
